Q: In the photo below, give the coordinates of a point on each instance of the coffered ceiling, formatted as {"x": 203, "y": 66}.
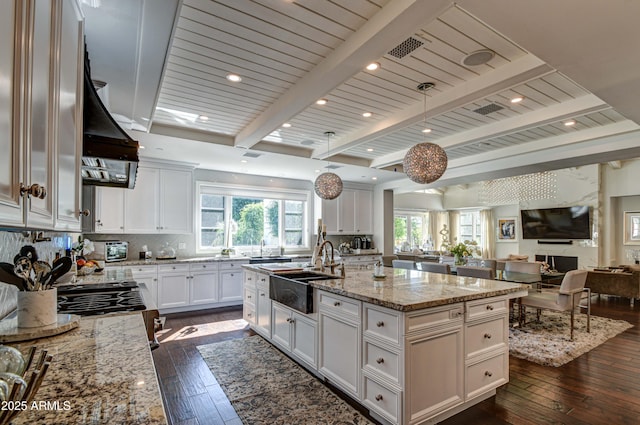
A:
{"x": 572, "y": 61}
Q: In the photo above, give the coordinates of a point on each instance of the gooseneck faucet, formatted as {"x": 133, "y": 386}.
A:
{"x": 325, "y": 255}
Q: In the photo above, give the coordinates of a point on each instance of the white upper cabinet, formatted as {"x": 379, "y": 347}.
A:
{"x": 141, "y": 203}
{"x": 349, "y": 214}
{"x": 108, "y": 213}
{"x": 40, "y": 117}
{"x": 176, "y": 200}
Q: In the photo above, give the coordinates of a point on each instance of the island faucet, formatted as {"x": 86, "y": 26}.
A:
{"x": 323, "y": 252}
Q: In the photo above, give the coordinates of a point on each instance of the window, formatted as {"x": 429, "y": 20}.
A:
{"x": 242, "y": 218}
{"x": 411, "y": 231}
{"x": 469, "y": 227}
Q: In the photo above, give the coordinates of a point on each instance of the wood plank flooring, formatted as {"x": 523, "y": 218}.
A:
{"x": 598, "y": 388}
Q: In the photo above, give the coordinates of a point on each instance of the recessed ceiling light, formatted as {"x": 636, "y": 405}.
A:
{"x": 317, "y": 171}
{"x": 286, "y": 125}
{"x": 374, "y": 178}
{"x": 366, "y": 114}
{"x": 244, "y": 161}
{"x": 369, "y": 149}
{"x": 373, "y": 66}
{"x": 234, "y": 78}
{"x": 203, "y": 118}
{"x": 426, "y": 130}
{"x": 570, "y": 123}
{"x": 321, "y": 101}
{"x": 141, "y": 147}
{"x": 479, "y": 57}
{"x": 517, "y": 99}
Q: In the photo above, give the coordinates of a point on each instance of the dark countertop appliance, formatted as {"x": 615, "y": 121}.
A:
{"x": 293, "y": 289}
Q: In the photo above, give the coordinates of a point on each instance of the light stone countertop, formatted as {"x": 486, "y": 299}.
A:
{"x": 102, "y": 373}
{"x": 408, "y": 290}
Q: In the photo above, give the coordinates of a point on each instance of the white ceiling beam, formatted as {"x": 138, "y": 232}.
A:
{"x": 569, "y": 109}
{"x": 385, "y": 30}
{"x": 518, "y": 72}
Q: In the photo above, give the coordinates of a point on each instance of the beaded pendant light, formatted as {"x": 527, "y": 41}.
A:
{"x": 425, "y": 162}
{"x": 328, "y": 185}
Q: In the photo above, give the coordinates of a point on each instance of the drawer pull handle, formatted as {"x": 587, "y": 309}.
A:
{"x": 487, "y": 335}
{"x": 262, "y": 294}
{"x": 249, "y": 297}
{"x": 379, "y": 397}
{"x": 249, "y": 314}
{"x": 490, "y": 307}
{"x": 379, "y": 360}
{"x": 380, "y": 324}
{"x": 336, "y": 304}
{"x": 487, "y": 373}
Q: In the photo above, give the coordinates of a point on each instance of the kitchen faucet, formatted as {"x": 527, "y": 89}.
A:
{"x": 323, "y": 252}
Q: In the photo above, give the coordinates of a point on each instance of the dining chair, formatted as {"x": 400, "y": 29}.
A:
{"x": 522, "y": 267}
{"x": 476, "y": 271}
{"x": 387, "y": 260}
{"x": 434, "y": 267}
{"x": 403, "y": 264}
{"x": 567, "y": 298}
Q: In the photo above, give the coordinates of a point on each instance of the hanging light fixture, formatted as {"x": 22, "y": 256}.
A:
{"x": 425, "y": 162}
{"x": 328, "y": 185}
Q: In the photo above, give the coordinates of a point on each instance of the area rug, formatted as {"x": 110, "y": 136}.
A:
{"x": 548, "y": 343}
{"x": 266, "y": 387}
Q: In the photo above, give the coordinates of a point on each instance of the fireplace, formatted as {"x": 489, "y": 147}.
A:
{"x": 559, "y": 262}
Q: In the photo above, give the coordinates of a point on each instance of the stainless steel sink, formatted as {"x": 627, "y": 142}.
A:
{"x": 293, "y": 289}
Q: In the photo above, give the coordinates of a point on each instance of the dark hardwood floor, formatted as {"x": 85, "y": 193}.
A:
{"x": 600, "y": 387}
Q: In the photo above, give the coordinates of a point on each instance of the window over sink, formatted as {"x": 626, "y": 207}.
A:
{"x": 242, "y": 217}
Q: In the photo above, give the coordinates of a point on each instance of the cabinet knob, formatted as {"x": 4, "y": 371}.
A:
{"x": 231, "y": 274}
{"x": 121, "y": 227}
{"x": 380, "y": 324}
{"x": 488, "y": 373}
{"x": 262, "y": 294}
{"x": 379, "y": 360}
{"x": 85, "y": 213}
{"x": 34, "y": 190}
{"x": 336, "y": 304}
{"x": 379, "y": 397}
{"x": 174, "y": 267}
{"x": 249, "y": 314}
{"x": 249, "y": 297}
{"x": 487, "y": 335}
{"x": 490, "y": 307}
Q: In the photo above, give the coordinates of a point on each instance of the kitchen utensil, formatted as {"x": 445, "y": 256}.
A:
{"x": 22, "y": 269}
{"x": 61, "y": 266}
{"x": 8, "y": 276}
{"x": 27, "y": 251}
{"x": 42, "y": 271}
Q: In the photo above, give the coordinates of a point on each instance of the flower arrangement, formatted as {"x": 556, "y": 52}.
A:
{"x": 464, "y": 249}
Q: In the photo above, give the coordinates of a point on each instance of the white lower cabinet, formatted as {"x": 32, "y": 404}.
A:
{"x": 263, "y": 306}
{"x": 230, "y": 281}
{"x": 339, "y": 344}
{"x": 249, "y": 297}
{"x": 149, "y": 276}
{"x": 203, "y": 282}
{"x": 173, "y": 286}
{"x": 295, "y": 333}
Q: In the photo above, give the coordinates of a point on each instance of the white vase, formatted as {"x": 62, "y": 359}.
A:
{"x": 37, "y": 308}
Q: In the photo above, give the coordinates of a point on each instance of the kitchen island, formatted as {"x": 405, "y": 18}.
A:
{"x": 412, "y": 347}
{"x": 102, "y": 373}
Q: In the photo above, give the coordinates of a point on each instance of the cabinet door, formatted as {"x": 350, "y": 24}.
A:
{"x": 281, "y": 320}
{"x": 330, "y": 214}
{"x": 263, "y": 306}
{"x": 230, "y": 286}
{"x": 347, "y": 214}
{"x": 109, "y": 210}
{"x": 69, "y": 140}
{"x": 303, "y": 341}
{"x": 175, "y": 201}
{"x": 434, "y": 369}
{"x": 173, "y": 290}
{"x": 151, "y": 282}
{"x": 39, "y": 111}
{"x": 11, "y": 160}
{"x": 363, "y": 205}
{"x": 141, "y": 203}
{"x": 204, "y": 287}
{"x": 339, "y": 347}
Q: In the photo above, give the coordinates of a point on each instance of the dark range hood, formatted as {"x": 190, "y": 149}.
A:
{"x": 109, "y": 155}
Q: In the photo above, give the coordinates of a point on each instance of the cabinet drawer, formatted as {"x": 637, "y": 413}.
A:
{"x": 143, "y": 270}
{"x": 232, "y": 265}
{"x": 487, "y": 375}
{"x": 434, "y": 317}
{"x": 343, "y": 306}
{"x": 382, "y": 399}
{"x": 249, "y": 296}
{"x": 195, "y": 267}
{"x": 381, "y": 361}
{"x": 485, "y": 336}
{"x": 262, "y": 279}
{"x": 249, "y": 313}
{"x": 173, "y": 268}
{"x": 482, "y": 308}
{"x": 383, "y": 324}
{"x": 250, "y": 278}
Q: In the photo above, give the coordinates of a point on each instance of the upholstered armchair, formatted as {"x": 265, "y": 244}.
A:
{"x": 387, "y": 260}
{"x": 566, "y": 299}
{"x": 434, "y": 267}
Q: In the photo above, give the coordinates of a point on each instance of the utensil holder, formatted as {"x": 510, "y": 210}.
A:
{"x": 37, "y": 308}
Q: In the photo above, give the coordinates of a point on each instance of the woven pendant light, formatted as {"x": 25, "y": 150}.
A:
{"x": 425, "y": 162}
{"x": 328, "y": 185}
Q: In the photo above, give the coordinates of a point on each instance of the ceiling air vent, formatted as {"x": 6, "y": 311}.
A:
{"x": 252, "y": 155}
{"x": 487, "y": 109}
{"x": 333, "y": 166}
{"x": 406, "y": 47}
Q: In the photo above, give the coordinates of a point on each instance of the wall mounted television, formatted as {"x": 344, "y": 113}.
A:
{"x": 556, "y": 223}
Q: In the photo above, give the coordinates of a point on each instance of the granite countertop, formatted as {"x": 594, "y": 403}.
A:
{"x": 107, "y": 275}
{"x": 408, "y": 290}
{"x": 189, "y": 260}
{"x": 102, "y": 373}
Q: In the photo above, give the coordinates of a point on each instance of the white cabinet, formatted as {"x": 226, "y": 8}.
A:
{"x": 263, "y": 305}
{"x": 230, "y": 281}
{"x": 175, "y": 201}
{"x": 141, "y": 204}
{"x": 40, "y": 115}
{"x": 294, "y": 332}
{"x": 339, "y": 341}
{"x": 349, "y": 214}
{"x": 249, "y": 298}
{"x": 173, "y": 286}
{"x": 108, "y": 210}
{"x": 203, "y": 283}
{"x": 148, "y": 275}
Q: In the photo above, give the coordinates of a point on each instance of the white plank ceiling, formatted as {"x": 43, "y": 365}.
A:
{"x": 290, "y": 53}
